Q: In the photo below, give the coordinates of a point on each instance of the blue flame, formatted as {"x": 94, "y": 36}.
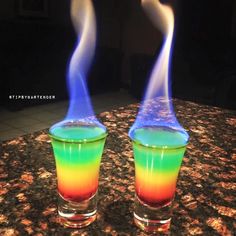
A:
{"x": 80, "y": 107}
{"x": 157, "y": 108}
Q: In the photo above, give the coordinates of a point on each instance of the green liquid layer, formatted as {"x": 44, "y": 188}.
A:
{"x": 77, "y": 133}
{"x": 160, "y": 137}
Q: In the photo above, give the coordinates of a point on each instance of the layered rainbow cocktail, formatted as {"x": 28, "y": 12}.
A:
{"x": 78, "y": 149}
{"x": 158, "y": 153}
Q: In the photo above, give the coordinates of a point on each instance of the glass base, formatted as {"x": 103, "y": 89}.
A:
{"x": 152, "y": 219}
{"x": 77, "y": 214}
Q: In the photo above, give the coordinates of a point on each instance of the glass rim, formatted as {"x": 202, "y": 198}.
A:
{"x": 159, "y": 146}
{"x": 79, "y": 141}
{"x": 170, "y": 147}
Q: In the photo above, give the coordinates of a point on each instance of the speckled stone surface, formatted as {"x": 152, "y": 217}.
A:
{"x": 205, "y": 202}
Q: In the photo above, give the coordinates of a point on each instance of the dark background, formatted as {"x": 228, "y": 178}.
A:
{"x": 35, "y": 48}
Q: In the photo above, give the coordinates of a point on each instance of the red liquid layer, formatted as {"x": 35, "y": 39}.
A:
{"x": 158, "y": 196}
{"x": 78, "y": 194}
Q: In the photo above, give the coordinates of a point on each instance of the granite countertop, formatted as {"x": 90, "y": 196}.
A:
{"x": 205, "y": 202}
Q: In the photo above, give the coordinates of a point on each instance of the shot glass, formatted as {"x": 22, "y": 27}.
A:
{"x": 78, "y": 149}
{"x": 158, "y": 153}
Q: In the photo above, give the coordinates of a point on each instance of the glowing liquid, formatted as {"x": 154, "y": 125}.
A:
{"x": 78, "y": 151}
{"x": 158, "y": 153}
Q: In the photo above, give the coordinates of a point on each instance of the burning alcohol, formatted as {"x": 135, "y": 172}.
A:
{"x": 159, "y": 141}
{"x": 78, "y": 140}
